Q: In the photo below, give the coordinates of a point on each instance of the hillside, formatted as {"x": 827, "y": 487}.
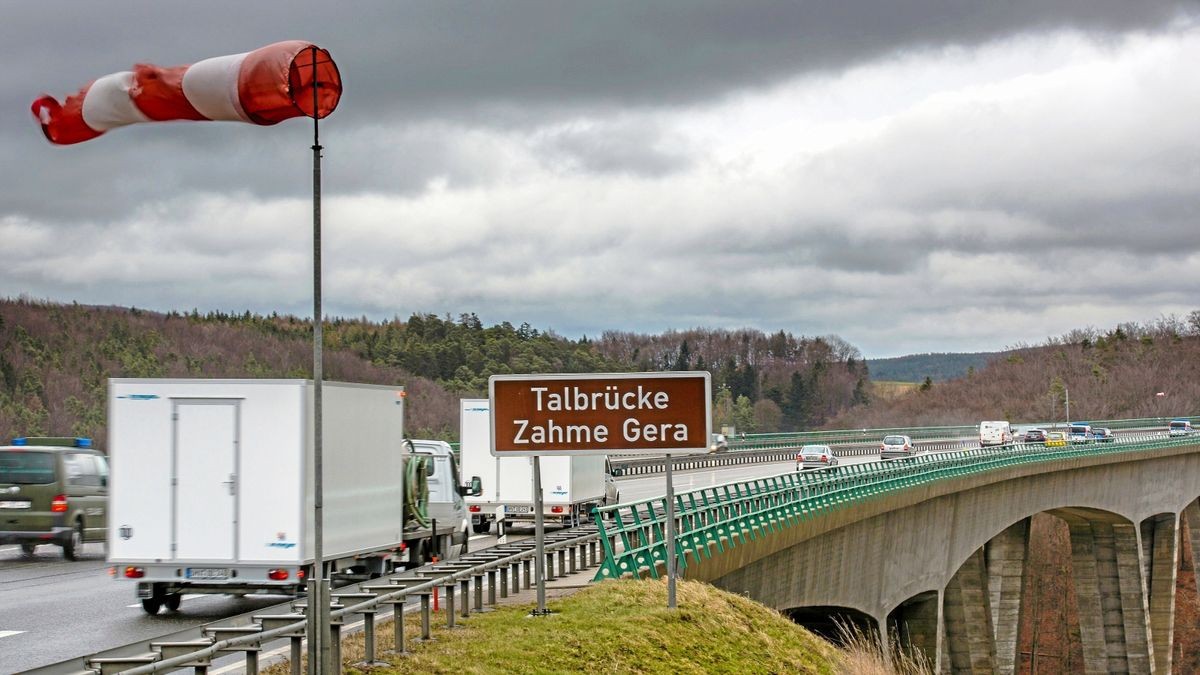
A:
{"x": 1108, "y": 375}
{"x": 55, "y": 361}
{"x": 937, "y": 367}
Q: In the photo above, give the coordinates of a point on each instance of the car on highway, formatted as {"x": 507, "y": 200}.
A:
{"x": 1080, "y": 432}
{"x": 1179, "y": 428}
{"x": 718, "y": 443}
{"x": 1035, "y": 436}
{"x": 815, "y": 457}
{"x": 1102, "y": 434}
{"x": 895, "y": 446}
{"x": 1056, "y": 439}
{"x": 53, "y": 491}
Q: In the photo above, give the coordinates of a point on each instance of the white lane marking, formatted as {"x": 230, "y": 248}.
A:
{"x": 10, "y": 633}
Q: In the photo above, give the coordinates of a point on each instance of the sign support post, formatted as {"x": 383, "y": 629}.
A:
{"x": 539, "y": 529}
{"x": 670, "y": 463}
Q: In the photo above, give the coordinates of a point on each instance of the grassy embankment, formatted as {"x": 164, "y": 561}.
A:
{"x": 617, "y": 627}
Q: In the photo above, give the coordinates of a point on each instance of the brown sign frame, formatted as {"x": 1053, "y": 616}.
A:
{"x": 646, "y": 398}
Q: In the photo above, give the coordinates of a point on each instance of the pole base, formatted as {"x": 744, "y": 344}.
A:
{"x": 541, "y": 612}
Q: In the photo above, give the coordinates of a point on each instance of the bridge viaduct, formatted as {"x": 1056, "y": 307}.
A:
{"x": 942, "y": 565}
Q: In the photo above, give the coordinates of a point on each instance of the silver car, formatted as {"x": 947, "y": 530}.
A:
{"x": 815, "y": 457}
{"x": 895, "y": 446}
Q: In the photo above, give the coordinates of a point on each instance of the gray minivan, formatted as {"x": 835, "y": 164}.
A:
{"x": 53, "y": 491}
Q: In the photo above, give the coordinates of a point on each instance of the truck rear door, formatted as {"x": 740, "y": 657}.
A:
{"x": 204, "y": 499}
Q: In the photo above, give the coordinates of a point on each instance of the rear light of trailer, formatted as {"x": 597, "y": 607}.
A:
{"x": 278, "y": 574}
{"x": 475, "y": 508}
{"x": 132, "y": 572}
{"x": 556, "y": 509}
{"x": 58, "y": 504}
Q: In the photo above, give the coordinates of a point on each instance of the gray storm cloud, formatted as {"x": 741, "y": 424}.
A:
{"x": 821, "y": 167}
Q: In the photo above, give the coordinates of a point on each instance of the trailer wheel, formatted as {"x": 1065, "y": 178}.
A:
{"x": 481, "y": 527}
{"x": 172, "y": 601}
{"x": 151, "y": 605}
{"x": 27, "y": 547}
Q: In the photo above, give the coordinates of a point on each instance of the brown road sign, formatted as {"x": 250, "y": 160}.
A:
{"x": 607, "y": 413}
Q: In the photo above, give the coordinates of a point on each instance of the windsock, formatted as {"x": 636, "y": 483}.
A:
{"x": 265, "y": 86}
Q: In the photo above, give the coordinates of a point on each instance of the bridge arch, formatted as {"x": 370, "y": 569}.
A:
{"x": 884, "y": 552}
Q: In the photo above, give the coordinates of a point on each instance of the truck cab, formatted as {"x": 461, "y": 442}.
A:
{"x": 446, "y": 503}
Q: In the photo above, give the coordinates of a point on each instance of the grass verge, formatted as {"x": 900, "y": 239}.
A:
{"x": 611, "y": 627}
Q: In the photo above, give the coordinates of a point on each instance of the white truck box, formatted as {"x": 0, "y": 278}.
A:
{"x": 571, "y": 485}
{"x": 211, "y": 481}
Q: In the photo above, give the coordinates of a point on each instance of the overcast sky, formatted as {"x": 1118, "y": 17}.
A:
{"x": 912, "y": 175}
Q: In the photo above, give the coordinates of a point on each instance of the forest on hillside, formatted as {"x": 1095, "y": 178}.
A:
{"x": 55, "y": 361}
{"x": 938, "y": 367}
{"x": 1131, "y": 370}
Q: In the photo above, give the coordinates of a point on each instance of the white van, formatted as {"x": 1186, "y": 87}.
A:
{"x": 995, "y": 433}
{"x": 1179, "y": 428}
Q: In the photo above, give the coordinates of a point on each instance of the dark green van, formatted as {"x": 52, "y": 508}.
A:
{"x": 53, "y": 491}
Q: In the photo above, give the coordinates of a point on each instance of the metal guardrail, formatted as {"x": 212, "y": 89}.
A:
{"x": 782, "y": 447}
{"x": 793, "y": 439}
{"x": 725, "y": 516}
{"x": 644, "y": 466}
{"x": 575, "y": 549}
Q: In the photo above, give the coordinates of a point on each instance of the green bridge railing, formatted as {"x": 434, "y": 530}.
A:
{"x": 712, "y": 519}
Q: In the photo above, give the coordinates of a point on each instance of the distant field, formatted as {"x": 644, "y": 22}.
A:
{"x": 888, "y": 389}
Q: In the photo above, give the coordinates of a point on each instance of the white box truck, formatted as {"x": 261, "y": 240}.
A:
{"x": 211, "y": 486}
{"x": 571, "y": 485}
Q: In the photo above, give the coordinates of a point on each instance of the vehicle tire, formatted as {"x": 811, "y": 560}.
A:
{"x": 481, "y": 528}
{"x": 152, "y": 605}
{"x": 172, "y": 601}
{"x": 28, "y": 547}
{"x": 74, "y": 546}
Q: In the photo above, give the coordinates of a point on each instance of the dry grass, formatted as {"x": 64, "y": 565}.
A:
{"x": 612, "y": 627}
{"x": 865, "y": 654}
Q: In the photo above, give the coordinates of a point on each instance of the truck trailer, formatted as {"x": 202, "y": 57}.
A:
{"x": 571, "y": 485}
{"x": 211, "y": 486}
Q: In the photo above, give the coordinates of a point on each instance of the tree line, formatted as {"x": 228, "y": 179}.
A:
{"x": 55, "y": 360}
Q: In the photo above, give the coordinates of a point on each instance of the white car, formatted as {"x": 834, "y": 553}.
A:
{"x": 718, "y": 444}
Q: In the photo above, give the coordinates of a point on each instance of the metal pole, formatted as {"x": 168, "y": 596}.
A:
{"x": 318, "y": 587}
{"x": 539, "y": 559}
{"x": 1068, "y": 393}
{"x": 670, "y": 534}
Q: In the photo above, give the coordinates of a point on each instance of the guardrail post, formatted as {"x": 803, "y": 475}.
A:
{"x": 562, "y": 563}
{"x": 516, "y": 577}
{"x": 465, "y": 588}
{"x": 572, "y": 556}
{"x": 426, "y": 635}
{"x": 526, "y": 565}
{"x": 478, "y": 592}
{"x": 450, "y": 604}
{"x": 491, "y": 576}
{"x": 501, "y": 573}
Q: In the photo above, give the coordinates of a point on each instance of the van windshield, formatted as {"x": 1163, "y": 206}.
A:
{"x": 26, "y": 468}
{"x": 1179, "y": 425}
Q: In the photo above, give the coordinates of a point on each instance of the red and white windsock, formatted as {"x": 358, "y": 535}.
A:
{"x": 265, "y": 86}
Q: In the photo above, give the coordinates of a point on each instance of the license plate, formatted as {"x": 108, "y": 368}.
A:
{"x": 518, "y": 509}
{"x": 208, "y": 573}
{"x": 14, "y": 505}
